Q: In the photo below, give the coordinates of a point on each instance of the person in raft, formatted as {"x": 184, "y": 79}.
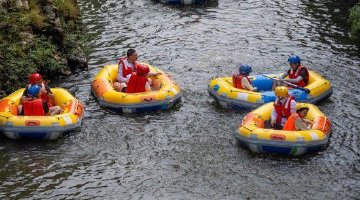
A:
{"x": 297, "y": 121}
{"x": 298, "y": 74}
{"x": 126, "y": 67}
{"x": 241, "y": 80}
{"x": 45, "y": 94}
{"x": 138, "y": 82}
{"x": 284, "y": 106}
{"x": 34, "y": 105}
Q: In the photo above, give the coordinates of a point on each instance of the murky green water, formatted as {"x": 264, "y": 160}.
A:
{"x": 188, "y": 152}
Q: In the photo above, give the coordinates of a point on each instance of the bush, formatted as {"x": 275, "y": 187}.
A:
{"x": 68, "y": 9}
{"x": 354, "y": 19}
{"x": 25, "y": 46}
{"x": 36, "y": 19}
{"x": 18, "y": 62}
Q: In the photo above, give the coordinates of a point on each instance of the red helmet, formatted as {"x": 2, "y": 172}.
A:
{"x": 35, "y": 77}
{"x": 142, "y": 70}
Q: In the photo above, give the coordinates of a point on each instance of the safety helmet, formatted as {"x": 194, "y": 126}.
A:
{"x": 35, "y": 77}
{"x": 294, "y": 59}
{"x": 142, "y": 70}
{"x": 303, "y": 106}
{"x": 245, "y": 69}
{"x": 33, "y": 90}
{"x": 281, "y": 91}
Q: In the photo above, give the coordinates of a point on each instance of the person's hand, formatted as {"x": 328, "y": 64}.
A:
{"x": 308, "y": 122}
{"x": 43, "y": 92}
{"x": 272, "y": 122}
{"x": 154, "y": 74}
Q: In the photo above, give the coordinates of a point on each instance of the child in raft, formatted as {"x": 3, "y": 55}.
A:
{"x": 297, "y": 121}
{"x": 241, "y": 79}
{"x": 137, "y": 81}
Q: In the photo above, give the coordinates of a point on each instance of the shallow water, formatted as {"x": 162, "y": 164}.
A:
{"x": 189, "y": 152}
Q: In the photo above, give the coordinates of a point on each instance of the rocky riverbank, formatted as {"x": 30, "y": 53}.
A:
{"x": 43, "y": 36}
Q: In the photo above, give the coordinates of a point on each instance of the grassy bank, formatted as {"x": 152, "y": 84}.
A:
{"x": 40, "y": 39}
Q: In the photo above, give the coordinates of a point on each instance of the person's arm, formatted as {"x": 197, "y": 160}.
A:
{"x": 147, "y": 87}
{"x": 282, "y": 76}
{"x": 49, "y": 93}
{"x": 45, "y": 107}
{"x": 127, "y": 78}
{"x": 149, "y": 81}
{"x": 24, "y": 97}
{"x": 294, "y": 80}
{"x": 302, "y": 75}
{"x": 292, "y": 106}
{"x": 300, "y": 125}
{"x": 273, "y": 117}
{"x": 245, "y": 83}
{"x": 120, "y": 76}
{"x": 154, "y": 73}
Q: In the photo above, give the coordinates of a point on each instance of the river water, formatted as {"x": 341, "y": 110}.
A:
{"x": 189, "y": 151}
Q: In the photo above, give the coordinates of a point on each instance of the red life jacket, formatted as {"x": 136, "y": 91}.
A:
{"x": 136, "y": 84}
{"x": 45, "y": 96}
{"x": 294, "y": 74}
{"x": 126, "y": 70}
{"x": 237, "y": 80}
{"x": 290, "y": 123}
{"x": 34, "y": 108}
{"x": 282, "y": 110}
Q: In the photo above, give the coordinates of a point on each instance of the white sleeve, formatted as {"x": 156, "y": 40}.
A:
{"x": 292, "y": 106}
{"x": 295, "y": 80}
{"x": 120, "y": 76}
{"x": 273, "y": 115}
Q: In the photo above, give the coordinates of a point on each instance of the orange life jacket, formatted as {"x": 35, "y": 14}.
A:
{"x": 136, "y": 83}
{"x": 294, "y": 74}
{"x": 283, "y": 110}
{"x": 126, "y": 70}
{"x": 290, "y": 123}
{"x": 34, "y": 108}
{"x": 237, "y": 80}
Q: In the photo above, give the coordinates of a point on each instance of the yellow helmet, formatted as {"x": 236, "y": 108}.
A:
{"x": 302, "y": 106}
{"x": 281, "y": 91}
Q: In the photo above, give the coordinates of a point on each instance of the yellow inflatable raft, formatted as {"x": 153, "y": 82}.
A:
{"x": 15, "y": 126}
{"x": 253, "y": 134}
{"x": 222, "y": 90}
{"x": 166, "y": 92}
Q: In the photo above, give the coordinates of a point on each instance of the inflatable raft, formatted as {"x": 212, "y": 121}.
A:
{"x": 15, "y": 126}
{"x": 253, "y": 134}
{"x": 165, "y": 95}
{"x": 222, "y": 90}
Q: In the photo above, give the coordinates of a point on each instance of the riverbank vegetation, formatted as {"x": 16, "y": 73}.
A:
{"x": 42, "y": 36}
{"x": 354, "y": 19}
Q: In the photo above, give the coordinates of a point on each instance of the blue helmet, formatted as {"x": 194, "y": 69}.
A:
{"x": 294, "y": 59}
{"x": 33, "y": 90}
{"x": 245, "y": 69}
